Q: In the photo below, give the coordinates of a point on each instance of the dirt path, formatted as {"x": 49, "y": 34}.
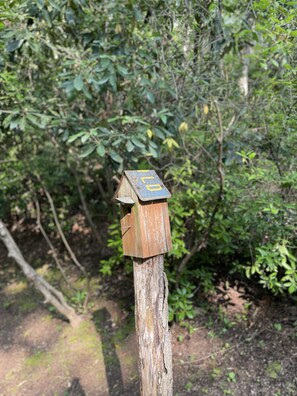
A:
{"x": 241, "y": 347}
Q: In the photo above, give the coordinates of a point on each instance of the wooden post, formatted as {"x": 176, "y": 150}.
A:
{"x": 153, "y": 334}
{"x": 146, "y": 237}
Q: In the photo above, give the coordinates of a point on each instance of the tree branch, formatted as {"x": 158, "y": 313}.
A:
{"x": 52, "y": 295}
{"x": 51, "y": 246}
{"x": 86, "y": 210}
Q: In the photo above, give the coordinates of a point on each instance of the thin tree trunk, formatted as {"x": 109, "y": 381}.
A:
{"x": 62, "y": 235}
{"x": 203, "y": 241}
{"x": 52, "y": 295}
{"x": 243, "y": 80}
{"x": 51, "y": 246}
{"x": 86, "y": 210}
{"x": 154, "y": 338}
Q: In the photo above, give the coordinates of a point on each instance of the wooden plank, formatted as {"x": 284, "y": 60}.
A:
{"x": 130, "y": 225}
{"x": 155, "y": 228}
{"x": 153, "y": 334}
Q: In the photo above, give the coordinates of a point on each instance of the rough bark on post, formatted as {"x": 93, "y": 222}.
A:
{"x": 154, "y": 338}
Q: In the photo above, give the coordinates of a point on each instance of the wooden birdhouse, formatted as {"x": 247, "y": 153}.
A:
{"x": 144, "y": 214}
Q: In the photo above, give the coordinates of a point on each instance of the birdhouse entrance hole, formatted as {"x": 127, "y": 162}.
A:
{"x": 127, "y": 210}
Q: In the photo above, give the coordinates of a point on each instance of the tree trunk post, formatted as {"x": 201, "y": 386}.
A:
{"x": 153, "y": 334}
{"x": 146, "y": 237}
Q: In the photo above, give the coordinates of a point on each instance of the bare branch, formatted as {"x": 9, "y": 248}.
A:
{"x": 51, "y": 295}
{"x": 86, "y": 210}
{"x": 51, "y": 246}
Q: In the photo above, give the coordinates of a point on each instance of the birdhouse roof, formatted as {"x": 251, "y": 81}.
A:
{"x": 146, "y": 184}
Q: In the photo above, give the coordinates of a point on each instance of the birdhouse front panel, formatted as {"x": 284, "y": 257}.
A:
{"x": 144, "y": 214}
{"x": 155, "y": 228}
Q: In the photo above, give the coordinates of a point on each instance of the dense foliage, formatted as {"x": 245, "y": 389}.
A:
{"x": 203, "y": 92}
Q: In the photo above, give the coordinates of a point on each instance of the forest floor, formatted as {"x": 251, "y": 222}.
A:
{"x": 241, "y": 342}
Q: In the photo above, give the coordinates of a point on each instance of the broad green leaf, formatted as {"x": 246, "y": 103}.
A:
{"x": 14, "y": 123}
{"x": 153, "y": 151}
{"x": 47, "y": 17}
{"x": 33, "y": 119}
{"x": 14, "y": 45}
{"x": 87, "y": 93}
{"x": 113, "y": 81}
{"x": 22, "y": 124}
{"x": 117, "y": 142}
{"x": 100, "y": 150}
{"x": 137, "y": 13}
{"x": 75, "y": 137}
{"x": 70, "y": 16}
{"x": 159, "y": 133}
{"x": 137, "y": 142}
{"x": 85, "y": 138}
{"x": 54, "y": 5}
{"x": 115, "y": 157}
{"x": 103, "y": 80}
{"x": 150, "y": 96}
{"x": 78, "y": 83}
{"x": 87, "y": 150}
{"x": 7, "y": 34}
{"x": 65, "y": 135}
{"x": 274, "y": 62}
{"x": 122, "y": 70}
{"x": 163, "y": 118}
{"x": 129, "y": 146}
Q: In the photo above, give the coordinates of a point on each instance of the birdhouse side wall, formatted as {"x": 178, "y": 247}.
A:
{"x": 155, "y": 228}
{"x": 130, "y": 222}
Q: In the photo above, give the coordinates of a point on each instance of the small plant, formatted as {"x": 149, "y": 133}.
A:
{"x": 278, "y": 326}
{"x": 273, "y": 369}
{"x": 180, "y": 338}
{"x": 226, "y": 345}
{"x": 188, "y": 326}
{"x": 276, "y": 267}
{"x": 189, "y": 386}
{"x": 210, "y": 323}
{"x": 117, "y": 258}
{"x": 79, "y": 298}
{"x": 224, "y": 319}
{"x": 180, "y": 303}
{"x": 261, "y": 344}
{"x": 211, "y": 334}
{"x": 216, "y": 372}
{"x": 231, "y": 376}
{"x": 228, "y": 392}
{"x": 205, "y": 277}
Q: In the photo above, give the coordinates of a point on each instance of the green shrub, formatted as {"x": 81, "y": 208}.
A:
{"x": 276, "y": 267}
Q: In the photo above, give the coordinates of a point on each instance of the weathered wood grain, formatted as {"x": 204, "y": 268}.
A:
{"x": 154, "y": 339}
{"x": 155, "y": 228}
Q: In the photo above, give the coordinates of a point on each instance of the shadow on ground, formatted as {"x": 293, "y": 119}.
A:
{"x": 75, "y": 388}
{"x": 103, "y": 322}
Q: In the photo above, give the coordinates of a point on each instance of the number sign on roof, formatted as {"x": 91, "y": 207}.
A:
{"x": 147, "y": 185}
